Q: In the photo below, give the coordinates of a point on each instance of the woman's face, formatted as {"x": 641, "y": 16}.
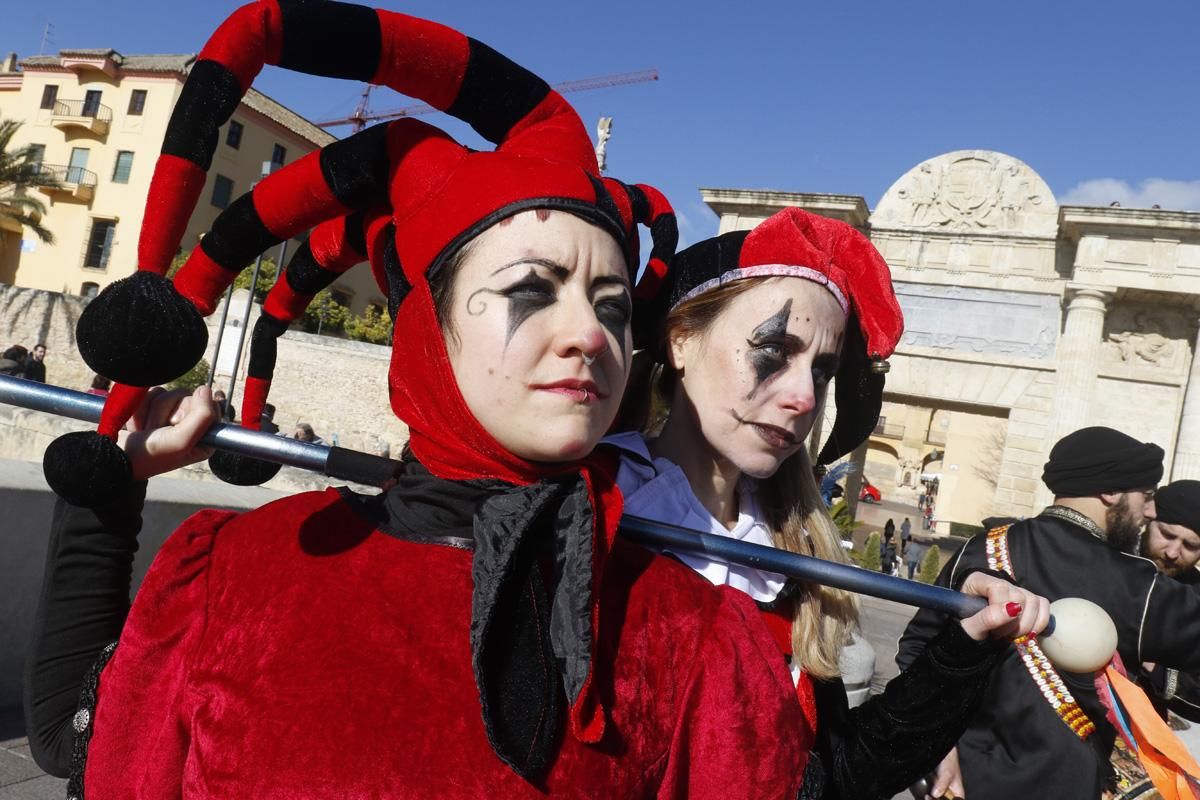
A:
{"x": 539, "y": 335}
{"x": 755, "y": 379}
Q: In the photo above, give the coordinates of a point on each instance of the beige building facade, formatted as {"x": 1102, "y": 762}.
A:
{"x": 1024, "y": 321}
{"x": 98, "y": 118}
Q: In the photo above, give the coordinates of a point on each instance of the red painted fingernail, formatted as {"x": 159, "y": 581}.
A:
{"x": 1013, "y": 609}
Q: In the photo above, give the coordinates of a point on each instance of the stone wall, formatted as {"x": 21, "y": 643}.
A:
{"x": 337, "y": 386}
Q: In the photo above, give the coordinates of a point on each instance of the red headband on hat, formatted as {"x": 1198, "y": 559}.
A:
{"x": 143, "y": 330}
{"x": 797, "y": 243}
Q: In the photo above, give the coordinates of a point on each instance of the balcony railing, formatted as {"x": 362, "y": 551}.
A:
{"x": 94, "y": 117}
{"x": 75, "y": 182}
{"x": 936, "y": 436}
{"x": 887, "y": 431}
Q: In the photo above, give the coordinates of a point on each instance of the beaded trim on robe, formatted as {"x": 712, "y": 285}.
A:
{"x": 82, "y": 723}
{"x": 1075, "y": 518}
{"x": 1048, "y": 681}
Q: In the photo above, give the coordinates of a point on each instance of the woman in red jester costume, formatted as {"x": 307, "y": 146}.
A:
{"x": 754, "y": 326}
{"x": 477, "y": 629}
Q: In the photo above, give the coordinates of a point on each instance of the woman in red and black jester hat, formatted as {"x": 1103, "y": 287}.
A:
{"x": 478, "y": 629}
{"x": 753, "y": 327}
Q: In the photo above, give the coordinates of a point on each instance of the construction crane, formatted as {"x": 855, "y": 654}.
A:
{"x": 360, "y": 118}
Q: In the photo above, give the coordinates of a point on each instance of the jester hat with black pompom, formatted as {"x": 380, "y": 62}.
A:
{"x": 799, "y": 244}
{"x": 438, "y": 194}
{"x": 407, "y": 196}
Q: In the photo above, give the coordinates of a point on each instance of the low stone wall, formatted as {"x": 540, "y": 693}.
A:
{"x": 337, "y": 386}
{"x": 28, "y": 506}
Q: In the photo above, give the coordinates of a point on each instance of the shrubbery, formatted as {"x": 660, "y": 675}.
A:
{"x": 931, "y": 565}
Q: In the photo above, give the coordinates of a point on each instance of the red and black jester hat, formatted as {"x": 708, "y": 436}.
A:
{"x": 797, "y": 243}
{"x": 145, "y": 330}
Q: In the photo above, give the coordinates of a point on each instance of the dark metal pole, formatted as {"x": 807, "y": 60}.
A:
{"x": 338, "y": 462}
{"x": 212, "y": 369}
{"x": 237, "y": 358}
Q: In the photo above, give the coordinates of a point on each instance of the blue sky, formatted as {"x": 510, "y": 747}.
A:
{"x": 1101, "y": 98}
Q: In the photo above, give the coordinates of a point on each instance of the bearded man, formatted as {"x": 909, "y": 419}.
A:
{"x": 1042, "y": 732}
{"x": 1172, "y": 542}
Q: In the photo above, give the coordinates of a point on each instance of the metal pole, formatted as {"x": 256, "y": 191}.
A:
{"x": 237, "y": 361}
{"x": 212, "y": 370}
{"x": 237, "y": 358}
{"x": 337, "y": 462}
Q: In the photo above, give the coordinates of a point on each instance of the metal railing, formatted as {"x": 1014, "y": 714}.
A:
{"x": 75, "y": 176}
{"x": 79, "y": 108}
{"x": 889, "y": 431}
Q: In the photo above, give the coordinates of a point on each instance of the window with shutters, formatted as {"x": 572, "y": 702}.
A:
{"x": 123, "y": 166}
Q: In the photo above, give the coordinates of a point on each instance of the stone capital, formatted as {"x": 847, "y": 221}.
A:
{"x": 1090, "y": 298}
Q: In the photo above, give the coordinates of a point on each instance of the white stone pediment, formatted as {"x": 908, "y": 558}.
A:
{"x": 970, "y": 192}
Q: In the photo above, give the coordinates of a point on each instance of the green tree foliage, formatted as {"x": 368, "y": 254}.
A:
{"x": 325, "y": 315}
{"x": 266, "y": 278}
{"x": 868, "y": 557}
{"x": 196, "y": 376}
{"x": 374, "y": 326}
{"x": 21, "y": 172}
{"x": 840, "y": 513}
{"x": 931, "y": 565}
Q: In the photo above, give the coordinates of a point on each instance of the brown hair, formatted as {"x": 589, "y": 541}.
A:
{"x": 790, "y": 499}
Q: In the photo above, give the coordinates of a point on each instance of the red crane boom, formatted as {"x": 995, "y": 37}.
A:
{"x": 360, "y": 118}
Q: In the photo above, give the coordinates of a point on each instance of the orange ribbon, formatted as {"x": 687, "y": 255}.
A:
{"x": 1170, "y": 766}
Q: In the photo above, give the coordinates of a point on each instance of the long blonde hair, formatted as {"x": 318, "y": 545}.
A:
{"x": 790, "y": 499}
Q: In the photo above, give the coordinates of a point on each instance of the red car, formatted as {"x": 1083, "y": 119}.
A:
{"x": 868, "y": 493}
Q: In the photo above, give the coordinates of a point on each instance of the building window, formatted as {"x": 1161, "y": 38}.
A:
{"x": 279, "y": 155}
{"x": 123, "y": 167}
{"x": 77, "y": 168}
{"x": 137, "y": 102}
{"x": 37, "y": 153}
{"x": 233, "y": 137}
{"x": 89, "y": 289}
{"x": 340, "y": 297}
{"x": 91, "y": 102}
{"x": 49, "y": 96}
{"x": 222, "y": 191}
{"x": 99, "y": 244}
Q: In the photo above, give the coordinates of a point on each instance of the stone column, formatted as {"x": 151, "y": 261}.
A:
{"x": 1187, "y": 445}
{"x": 1078, "y": 361}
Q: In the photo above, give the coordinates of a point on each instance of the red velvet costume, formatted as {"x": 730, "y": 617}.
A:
{"x": 338, "y": 646}
{"x": 296, "y": 651}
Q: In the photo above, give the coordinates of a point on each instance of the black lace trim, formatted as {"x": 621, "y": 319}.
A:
{"x": 813, "y": 787}
{"x": 82, "y": 723}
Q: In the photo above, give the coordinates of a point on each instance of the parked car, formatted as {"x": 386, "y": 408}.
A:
{"x": 869, "y": 493}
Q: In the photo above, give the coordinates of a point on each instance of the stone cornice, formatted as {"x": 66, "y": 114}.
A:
{"x": 1077, "y": 221}
{"x": 764, "y": 202}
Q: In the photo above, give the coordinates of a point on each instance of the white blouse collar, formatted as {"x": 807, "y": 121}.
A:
{"x": 657, "y": 489}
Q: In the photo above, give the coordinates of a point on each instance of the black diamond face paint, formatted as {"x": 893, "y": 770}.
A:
{"x": 526, "y": 297}
{"x": 532, "y": 293}
{"x": 767, "y": 351}
{"x": 614, "y": 312}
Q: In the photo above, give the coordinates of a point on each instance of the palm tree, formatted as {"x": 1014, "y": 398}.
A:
{"x": 20, "y": 171}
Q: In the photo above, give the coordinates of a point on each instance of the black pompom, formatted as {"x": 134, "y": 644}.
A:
{"x": 141, "y": 331}
{"x": 87, "y": 469}
{"x": 242, "y": 470}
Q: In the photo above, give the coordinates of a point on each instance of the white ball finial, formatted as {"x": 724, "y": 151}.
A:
{"x": 1084, "y": 636}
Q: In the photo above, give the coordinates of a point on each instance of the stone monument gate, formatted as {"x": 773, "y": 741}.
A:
{"x": 1024, "y": 321}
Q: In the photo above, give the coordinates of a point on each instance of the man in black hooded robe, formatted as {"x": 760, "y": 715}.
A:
{"x": 1026, "y": 741}
{"x": 1172, "y": 542}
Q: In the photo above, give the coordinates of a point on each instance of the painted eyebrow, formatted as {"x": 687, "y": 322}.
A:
{"x": 611, "y": 280}
{"x": 558, "y": 269}
{"x": 562, "y": 273}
